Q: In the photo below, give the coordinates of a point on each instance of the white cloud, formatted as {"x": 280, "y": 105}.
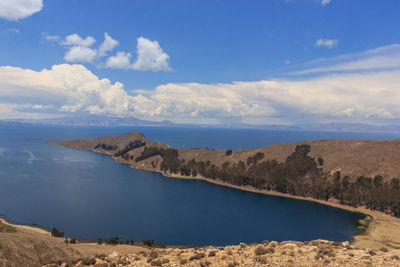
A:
{"x": 19, "y": 9}
{"x": 13, "y": 30}
{"x": 79, "y": 51}
{"x": 381, "y": 58}
{"x": 325, "y": 2}
{"x": 327, "y": 43}
{"x": 120, "y": 61}
{"x": 73, "y": 88}
{"x": 67, "y": 88}
{"x": 76, "y": 40}
{"x": 48, "y": 37}
{"x": 80, "y": 54}
{"x": 108, "y": 45}
{"x": 150, "y": 56}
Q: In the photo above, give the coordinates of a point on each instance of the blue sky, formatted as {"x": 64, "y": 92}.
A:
{"x": 178, "y": 60}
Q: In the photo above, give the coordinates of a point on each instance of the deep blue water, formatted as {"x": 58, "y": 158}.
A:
{"x": 90, "y": 195}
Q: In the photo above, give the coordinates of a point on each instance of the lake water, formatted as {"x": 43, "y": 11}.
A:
{"x": 90, "y": 195}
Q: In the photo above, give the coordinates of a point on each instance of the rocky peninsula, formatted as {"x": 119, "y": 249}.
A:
{"x": 356, "y": 175}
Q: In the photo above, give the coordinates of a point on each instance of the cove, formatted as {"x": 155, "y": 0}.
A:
{"x": 89, "y": 195}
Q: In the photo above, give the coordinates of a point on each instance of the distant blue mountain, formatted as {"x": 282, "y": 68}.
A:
{"x": 132, "y": 121}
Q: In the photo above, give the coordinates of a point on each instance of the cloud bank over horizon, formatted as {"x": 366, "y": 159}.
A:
{"x": 346, "y": 96}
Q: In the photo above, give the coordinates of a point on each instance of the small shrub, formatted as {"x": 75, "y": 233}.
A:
{"x": 197, "y": 256}
{"x": 148, "y": 243}
{"x": 211, "y": 254}
{"x": 112, "y": 241}
{"x": 156, "y": 263}
{"x": 264, "y": 260}
{"x": 270, "y": 250}
{"x": 319, "y": 256}
{"x": 56, "y": 233}
{"x": 143, "y": 253}
{"x": 88, "y": 261}
{"x": 153, "y": 255}
{"x": 101, "y": 256}
{"x": 228, "y": 152}
{"x": 260, "y": 251}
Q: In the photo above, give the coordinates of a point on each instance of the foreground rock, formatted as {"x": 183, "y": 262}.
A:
{"x": 314, "y": 253}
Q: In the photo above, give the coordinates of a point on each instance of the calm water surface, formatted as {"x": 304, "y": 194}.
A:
{"x": 89, "y": 195}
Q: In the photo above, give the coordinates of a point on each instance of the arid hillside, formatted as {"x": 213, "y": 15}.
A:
{"x": 351, "y": 157}
{"x": 23, "y": 246}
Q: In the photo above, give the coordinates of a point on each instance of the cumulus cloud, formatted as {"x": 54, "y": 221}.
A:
{"x": 108, "y": 45}
{"x": 67, "y": 88}
{"x": 19, "y": 9}
{"x": 73, "y": 88}
{"x": 76, "y": 40}
{"x": 80, "y": 54}
{"x": 325, "y": 2}
{"x": 150, "y": 56}
{"x": 326, "y": 43}
{"x": 79, "y": 51}
{"x": 120, "y": 61}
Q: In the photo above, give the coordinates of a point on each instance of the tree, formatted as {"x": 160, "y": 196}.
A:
{"x": 56, "y": 233}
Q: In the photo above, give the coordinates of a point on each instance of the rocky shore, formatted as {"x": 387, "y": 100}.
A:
{"x": 289, "y": 253}
{"x": 22, "y": 246}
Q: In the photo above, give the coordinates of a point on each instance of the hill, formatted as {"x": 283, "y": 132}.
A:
{"x": 351, "y": 157}
{"x": 357, "y": 173}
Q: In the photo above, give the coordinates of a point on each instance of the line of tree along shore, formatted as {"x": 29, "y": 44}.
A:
{"x": 299, "y": 175}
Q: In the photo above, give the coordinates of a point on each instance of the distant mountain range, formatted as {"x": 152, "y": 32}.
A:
{"x": 93, "y": 120}
{"x": 9, "y": 122}
{"x": 132, "y": 121}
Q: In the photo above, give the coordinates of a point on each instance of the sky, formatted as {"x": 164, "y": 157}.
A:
{"x": 202, "y": 61}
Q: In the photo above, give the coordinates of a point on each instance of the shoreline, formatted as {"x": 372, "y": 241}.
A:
{"x": 381, "y": 231}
